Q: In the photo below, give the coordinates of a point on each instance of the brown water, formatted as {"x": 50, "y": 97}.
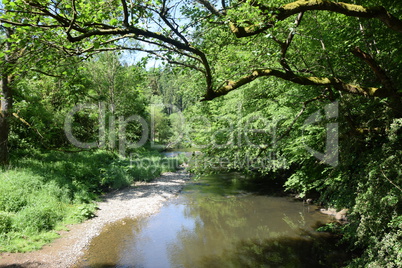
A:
{"x": 219, "y": 221}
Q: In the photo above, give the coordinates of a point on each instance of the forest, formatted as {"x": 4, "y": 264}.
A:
{"x": 301, "y": 92}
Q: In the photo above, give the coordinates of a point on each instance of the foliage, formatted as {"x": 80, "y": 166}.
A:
{"x": 291, "y": 60}
{"x": 41, "y": 104}
{"x": 40, "y": 194}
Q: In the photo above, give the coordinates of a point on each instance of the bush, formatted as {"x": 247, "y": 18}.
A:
{"x": 43, "y": 212}
{"x": 45, "y": 191}
{"x": 5, "y": 222}
{"x": 15, "y": 187}
{"x": 35, "y": 219}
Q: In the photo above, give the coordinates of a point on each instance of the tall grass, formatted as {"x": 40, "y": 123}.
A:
{"x": 42, "y": 193}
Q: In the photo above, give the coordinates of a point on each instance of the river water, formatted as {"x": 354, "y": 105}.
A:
{"x": 226, "y": 220}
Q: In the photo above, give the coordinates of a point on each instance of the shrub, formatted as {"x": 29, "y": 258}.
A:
{"x": 42, "y": 214}
{"x": 15, "y": 187}
{"x": 5, "y": 222}
{"x": 48, "y": 190}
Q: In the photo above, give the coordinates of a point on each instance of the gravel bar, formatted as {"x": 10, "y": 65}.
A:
{"x": 139, "y": 200}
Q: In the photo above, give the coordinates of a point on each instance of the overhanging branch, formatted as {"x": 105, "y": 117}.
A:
{"x": 77, "y": 32}
{"x": 301, "y": 80}
{"x": 296, "y": 7}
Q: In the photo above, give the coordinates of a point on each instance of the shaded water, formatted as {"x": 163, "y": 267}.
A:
{"x": 219, "y": 221}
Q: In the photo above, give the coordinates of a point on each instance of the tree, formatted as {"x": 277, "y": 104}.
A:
{"x": 103, "y": 25}
{"x": 23, "y": 51}
{"x": 6, "y": 99}
{"x": 319, "y": 51}
{"x": 106, "y": 23}
{"x": 120, "y": 90}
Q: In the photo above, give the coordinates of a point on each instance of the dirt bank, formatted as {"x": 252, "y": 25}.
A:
{"x": 139, "y": 200}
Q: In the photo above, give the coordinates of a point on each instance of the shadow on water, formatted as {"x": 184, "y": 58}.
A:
{"x": 279, "y": 252}
{"x": 225, "y": 220}
{"x": 236, "y": 184}
{"x": 292, "y": 252}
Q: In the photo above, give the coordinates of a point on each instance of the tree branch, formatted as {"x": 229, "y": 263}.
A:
{"x": 378, "y": 71}
{"x": 74, "y": 17}
{"x": 293, "y": 8}
{"x": 125, "y": 13}
{"x": 167, "y": 59}
{"x": 301, "y": 80}
{"x": 163, "y": 14}
{"x": 223, "y": 3}
{"x": 20, "y": 24}
{"x": 84, "y": 34}
{"x": 286, "y": 44}
{"x": 210, "y": 7}
{"x": 45, "y": 73}
{"x": 181, "y": 52}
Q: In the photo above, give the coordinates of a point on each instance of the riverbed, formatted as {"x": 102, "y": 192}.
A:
{"x": 224, "y": 220}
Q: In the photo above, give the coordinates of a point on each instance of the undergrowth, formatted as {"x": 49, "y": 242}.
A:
{"x": 44, "y": 192}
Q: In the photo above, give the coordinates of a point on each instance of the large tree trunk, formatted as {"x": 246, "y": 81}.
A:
{"x": 6, "y": 104}
{"x": 6, "y": 101}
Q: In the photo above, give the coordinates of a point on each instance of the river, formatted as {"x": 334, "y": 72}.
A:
{"x": 225, "y": 220}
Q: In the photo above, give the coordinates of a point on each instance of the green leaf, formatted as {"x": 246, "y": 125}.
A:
{"x": 113, "y": 22}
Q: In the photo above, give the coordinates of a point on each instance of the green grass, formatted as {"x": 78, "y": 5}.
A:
{"x": 42, "y": 193}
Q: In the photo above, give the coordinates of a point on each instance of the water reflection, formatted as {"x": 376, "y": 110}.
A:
{"x": 217, "y": 222}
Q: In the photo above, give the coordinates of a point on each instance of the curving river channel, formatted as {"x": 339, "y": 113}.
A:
{"x": 226, "y": 220}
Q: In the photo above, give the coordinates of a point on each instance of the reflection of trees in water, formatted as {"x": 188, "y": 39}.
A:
{"x": 244, "y": 232}
{"x": 218, "y": 221}
{"x": 277, "y": 252}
